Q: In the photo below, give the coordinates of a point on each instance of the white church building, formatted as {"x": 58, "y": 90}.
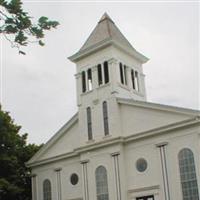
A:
{"x": 118, "y": 146}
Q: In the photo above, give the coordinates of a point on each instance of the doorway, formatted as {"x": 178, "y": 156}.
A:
{"x": 151, "y": 197}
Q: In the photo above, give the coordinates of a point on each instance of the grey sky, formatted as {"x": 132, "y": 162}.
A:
{"x": 39, "y": 88}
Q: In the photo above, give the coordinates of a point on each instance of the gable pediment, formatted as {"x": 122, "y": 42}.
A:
{"x": 64, "y": 141}
{"x": 139, "y": 116}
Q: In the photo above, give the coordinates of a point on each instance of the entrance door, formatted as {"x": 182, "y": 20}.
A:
{"x": 145, "y": 198}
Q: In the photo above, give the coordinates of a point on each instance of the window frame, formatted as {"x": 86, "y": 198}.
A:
{"x": 99, "y": 74}
{"x": 47, "y": 191}
{"x": 121, "y": 73}
{"x": 188, "y": 176}
{"x": 101, "y": 179}
{"x": 83, "y": 77}
{"x": 89, "y": 123}
{"x": 106, "y": 72}
{"x": 105, "y": 118}
{"x": 89, "y": 79}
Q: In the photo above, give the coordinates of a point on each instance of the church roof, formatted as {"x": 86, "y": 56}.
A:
{"x": 106, "y": 29}
{"x": 104, "y": 34}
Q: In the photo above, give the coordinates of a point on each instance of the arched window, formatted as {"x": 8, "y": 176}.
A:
{"x": 89, "y": 123}
{"x": 46, "y": 190}
{"x": 101, "y": 183}
{"x": 105, "y": 118}
{"x": 188, "y": 175}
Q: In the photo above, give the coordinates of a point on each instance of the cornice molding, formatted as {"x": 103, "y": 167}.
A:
{"x": 154, "y": 187}
{"x": 103, "y": 44}
{"x": 162, "y": 107}
{"x": 60, "y": 132}
{"x": 117, "y": 140}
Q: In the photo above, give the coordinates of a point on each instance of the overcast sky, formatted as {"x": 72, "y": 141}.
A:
{"x": 39, "y": 89}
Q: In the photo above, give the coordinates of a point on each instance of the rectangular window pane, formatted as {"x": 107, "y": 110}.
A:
{"x": 121, "y": 73}
{"x": 83, "y": 82}
{"x": 136, "y": 81}
{"x": 100, "y": 80}
{"x": 133, "y": 78}
{"x": 125, "y": 74}
{"x": 106, "y": 72}
{"x": 89, "y": 77}
{"x": 89, "y": 123}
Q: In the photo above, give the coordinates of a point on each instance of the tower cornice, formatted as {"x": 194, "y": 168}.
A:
{"x": 103, "y": 44}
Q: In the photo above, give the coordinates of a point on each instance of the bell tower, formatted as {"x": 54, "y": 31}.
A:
{"x": 108, "y": 67}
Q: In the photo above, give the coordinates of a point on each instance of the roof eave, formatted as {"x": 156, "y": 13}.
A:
{"x": 187, "y": 111}
{"x": 83, "y": 53}
{"x": 132, "y": 52}
{"x": 103, "y": 44}
{"x": 50, "y": 142}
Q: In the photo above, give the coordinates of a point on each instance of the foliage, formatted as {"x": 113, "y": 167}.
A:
{"x": 15, "y": 180}
{"x": 16, "y": 23}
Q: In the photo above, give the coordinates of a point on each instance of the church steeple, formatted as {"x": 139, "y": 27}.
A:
{"x": 105, "y": 16}
{"x": 108, "y": 67}
{"x": 106, "y": 33}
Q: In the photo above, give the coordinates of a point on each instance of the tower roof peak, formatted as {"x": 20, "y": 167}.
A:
{"x": 106, "y": 33}
{"x": 105, "y": 16}
{"x": 105, "y": 30}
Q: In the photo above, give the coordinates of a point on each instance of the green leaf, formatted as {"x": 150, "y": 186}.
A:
{"x": 10, "y": 29}
{"x": 15, "y": 6}
{"x": 3, "y": 3}
{"x": 22, "y": 52}
{"x": 38, "y": 32}
{"x": 21, "y": 38}
{"x": 46, "y": 24}
{"x": 18, "y": 22}
{"x": 24, "y": 22}
{"x": 9, "y": 21}
{"x": 41, "y": 43}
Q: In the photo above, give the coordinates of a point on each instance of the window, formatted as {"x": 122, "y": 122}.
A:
{"x": 89, "y": 79}
{"x": 136, "y": 81}
{"x": 47, "y": 190}
{"x": 74, "y": 179}
{"x": 106, "y": 72}
{"x": 133, "y": 78}
{"x": 125, "y": 74}
{"x": 83, "y": 82}
{"x": 103, "y": 70}
{"x": 151, "y": 197}
{"x": 188, "y": 175}
{"x": 121, "y": 73}
{"x": 141, "y": 165}
{"x": 101, "y": 183}
{"x": 100, "y": 79}
{"x": 105, "y": 118}
{"x": 89, "y": 123}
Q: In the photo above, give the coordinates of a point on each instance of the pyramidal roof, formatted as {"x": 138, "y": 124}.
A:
{"x": 105, "y": 29}
{"x": 106, "y": 33}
